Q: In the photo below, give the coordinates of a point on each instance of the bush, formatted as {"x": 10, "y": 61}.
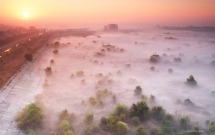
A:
{"x": 88, "y": 118}
{"x": 30, "y": 117}
{"x": 121, "y": 128}
{"x": 140, "y": 131}
{"x": 140, "y": 110}
{"x": 184, "y": 123}
{"x": 158, "y": 113}
{"x": 28, "y": 57}
{"x": 191, "y": 81}
{"x": 138, "y": 90}
{"x": 55, "y": 51}
{"x": 135, "y": 121}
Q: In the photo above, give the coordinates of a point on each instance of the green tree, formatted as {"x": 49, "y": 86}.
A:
{"x": 30, "y": 117}
{"x": 184, "y": 123}
{"x": 121, "y": 128}
{"x": 140, "y": 110}
{"x": 158, "y": 113}
{"x": 167, "y": 124}
{"x": 140, "y": 130}
{"x": 120, "y": 109}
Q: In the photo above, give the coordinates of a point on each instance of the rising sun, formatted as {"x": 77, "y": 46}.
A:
{"x": 25, "y": 14}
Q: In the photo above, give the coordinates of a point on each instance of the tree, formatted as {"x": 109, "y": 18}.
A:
{"x": 120, "y": 109}
{"x": 121, "y": 128}
{"x": 140, "y": 130}
{"x": 167, "y": 124}
{"x": 140, "y": 110}
{"x": 184, "y": 123}
{"x": 88, "y": 118}
{"x": 28, "y": 57}
{"x": 30, "y": 117}
{"x": 65, "y": 126}
{"x": 158, "y": 113}
{"x": 138, "y": 90}
{"x": 135, "y": 121}
{"x": 191, "y": 81}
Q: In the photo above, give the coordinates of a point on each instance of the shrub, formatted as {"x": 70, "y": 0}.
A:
{"x": 191, "y": 81}
{"x": 28, "y": 57}
{"x": 158, "y": 113}
{"x": 184, "y": 123}
{"x": 55, "y": 51}
{"x": 30, "y": 117}
{"x": 135, "y": 121}
{"x": 140, "y": 130}
{"x": 138, "y": 90}
{"x": 140, "y": 110}
{"x": 89, "y": 118}
{"x": 121, "y": 128}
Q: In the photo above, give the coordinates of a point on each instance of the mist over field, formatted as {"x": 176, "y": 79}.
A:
{"x": 119, "y": 61}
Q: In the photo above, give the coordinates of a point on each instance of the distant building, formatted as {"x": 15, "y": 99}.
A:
{"x": 111, "y": 27}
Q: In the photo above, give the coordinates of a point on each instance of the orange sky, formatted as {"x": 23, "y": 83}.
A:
{"x": 64, "y": 12}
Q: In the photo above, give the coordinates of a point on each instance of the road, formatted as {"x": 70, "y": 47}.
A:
{"x": 7, "y": 46}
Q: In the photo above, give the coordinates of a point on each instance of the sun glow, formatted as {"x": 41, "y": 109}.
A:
{"x": 25, "y": 14}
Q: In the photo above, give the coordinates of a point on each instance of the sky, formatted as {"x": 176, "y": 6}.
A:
{"x": 72, "y": 12}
